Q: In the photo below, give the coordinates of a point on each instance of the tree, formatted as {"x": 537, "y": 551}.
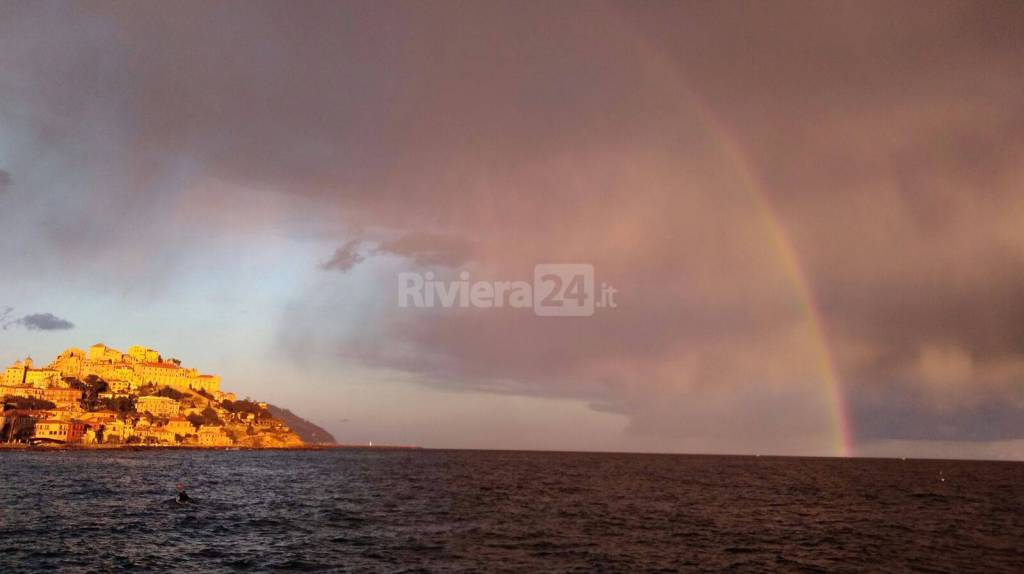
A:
{"x": 210, "y": 416}
{"x": 246, "y": 406}
{"x": 170, "y": 393}
{"x": 196, "y": 420}
{"x": 91, "y": 387}
{"x": 28, "y": 403}
{"x": 120, "y": 405}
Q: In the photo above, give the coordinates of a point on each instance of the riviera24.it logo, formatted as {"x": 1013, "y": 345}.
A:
{"x": 557, "y": 290}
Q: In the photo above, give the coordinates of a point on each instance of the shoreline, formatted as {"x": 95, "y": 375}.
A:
{"x": 136, "y": 447}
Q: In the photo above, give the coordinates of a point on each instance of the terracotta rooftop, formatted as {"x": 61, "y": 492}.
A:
{"x": 162, "y": 365}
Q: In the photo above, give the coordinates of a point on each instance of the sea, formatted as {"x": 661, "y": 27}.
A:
{"x": 351, "y": 510}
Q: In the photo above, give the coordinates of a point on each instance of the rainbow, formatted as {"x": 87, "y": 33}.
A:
{"x": 841, "y": 431}
{"x": 842, "y": 435}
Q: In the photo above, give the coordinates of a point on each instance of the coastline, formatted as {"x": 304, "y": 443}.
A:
{"x": 135, "y": 447}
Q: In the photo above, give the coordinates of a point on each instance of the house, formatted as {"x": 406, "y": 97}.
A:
{"x": 213, "y": 436}
{"x": 118, "y": 431}
{"x": 62, "y": 397}
{"x": 155, "y": 434}
{"x": 180, "y": 426}
{"x": 67, "y": 432}
{"x": 158, "y": 406}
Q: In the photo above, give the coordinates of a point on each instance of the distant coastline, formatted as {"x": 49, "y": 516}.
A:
{"x": 138, "y": 447}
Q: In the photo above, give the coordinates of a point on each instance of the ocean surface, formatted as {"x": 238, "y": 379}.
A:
{"x": 475, "y": 511}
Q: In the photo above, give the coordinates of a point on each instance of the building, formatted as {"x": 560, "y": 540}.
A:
{"x": 91, "y": 433}
{"x": 99, "y": 417}
{"x": 56, "y": 430}
{"x": 113, "y": 395}
{"x": 156, "y": 435}
{"x": 221, "y": 396}
{"x": 21, "y": 391}
{"x": 161, "y": 375}
{"x": 42, "y": 378}
{"x": 23, "y": 373}
{"x": 157, "y": 406}
{"x": 124, "y": 375}
{"x": 123, "y": 372}
{"x": 62, "y": 397}
{"x": 70, "y": 363}
{"x": 175, "y": 377}
{"x": 118, "y": 431}
{"x": 14, "y": 376}
{"x": 180, "y": 426}
{"x": 213, "y": 436}
{"x": 144, "y": 355}
{"x": 121, "y": 387}
{"x": 100, "y": 353}
{"x": 206, "y": 383}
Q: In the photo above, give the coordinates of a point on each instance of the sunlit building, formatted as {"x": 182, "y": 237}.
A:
{"x": 100, "y": 353}
{"x": 117, "y": 431}
{"x": 144, "y": 355}
{"x": 62, "y": 397}
{"x": 21, "y": 391}
{"x": 213, "y": 436}
{"x": 175, "y": 377}
{"x": 59, "y": 430}
{"x": 70, "y": 363}
{"x": 23, "y": 373}
{"x": 157, "y": 406}
{"x": 156, "y": 435}
{"x": 180, "y": 426}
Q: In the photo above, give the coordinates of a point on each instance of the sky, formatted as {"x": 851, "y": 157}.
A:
{"x": 812, "y": 214}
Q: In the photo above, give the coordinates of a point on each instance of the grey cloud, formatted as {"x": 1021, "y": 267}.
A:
{"x": 899, "y": 413}
{"x": 42, "y": 322}
{"x": 345, "y": 258}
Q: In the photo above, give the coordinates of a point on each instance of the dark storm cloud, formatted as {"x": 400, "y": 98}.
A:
{"x": 885, "y": 138}
{"x": 905, "y": 412}
{"x": 41, "y": 322}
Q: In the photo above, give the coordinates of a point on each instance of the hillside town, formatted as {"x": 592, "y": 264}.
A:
{"x": 103, "y": 397}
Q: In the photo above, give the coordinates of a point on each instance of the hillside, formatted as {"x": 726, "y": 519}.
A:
{"x": 104, "y": 397}
{"x": 310, "y": 433}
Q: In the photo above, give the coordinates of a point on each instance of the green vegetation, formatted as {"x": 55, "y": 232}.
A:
{"x": 27, "y": 403}
{"x": 152, "y": 390}
{"x": 91, "y": 387}
{"x": 246, "y": 406}
{"x": 207, "y": 417}
{"x": 120, "y": 405}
